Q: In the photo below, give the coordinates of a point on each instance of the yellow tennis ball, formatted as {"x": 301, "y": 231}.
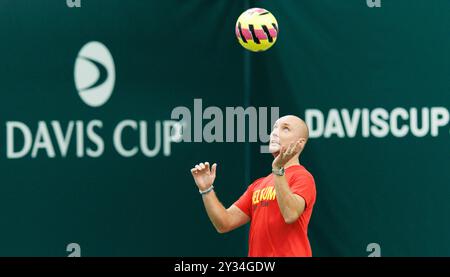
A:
{"x": 256, "y": 29}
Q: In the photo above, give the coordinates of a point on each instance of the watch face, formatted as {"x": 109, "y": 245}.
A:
{"x": 279, "y": 172}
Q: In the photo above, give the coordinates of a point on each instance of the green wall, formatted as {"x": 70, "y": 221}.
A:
{"x": 330, "y": 55}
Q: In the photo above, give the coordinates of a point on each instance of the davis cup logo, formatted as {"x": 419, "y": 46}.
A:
{"x": 94, "y": 74}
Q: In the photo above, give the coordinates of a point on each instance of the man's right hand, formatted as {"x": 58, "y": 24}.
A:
{"x": 203, "y": 176}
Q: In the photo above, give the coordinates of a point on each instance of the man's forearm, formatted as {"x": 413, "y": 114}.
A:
{"x": 287, "y": 202}
{"x": 216, "y": 211}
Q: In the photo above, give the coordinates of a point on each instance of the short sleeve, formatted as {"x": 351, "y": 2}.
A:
{"x": 244, "y": 203}
{"x": 304, "y": 185}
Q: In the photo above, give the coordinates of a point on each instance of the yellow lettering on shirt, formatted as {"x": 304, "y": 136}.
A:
{"x": 255, "y": 196}
{"x": 267, "y": 193}
{"x": 271, "y": 194}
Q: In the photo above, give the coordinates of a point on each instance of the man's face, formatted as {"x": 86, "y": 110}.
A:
{"x": 284, "y": 133}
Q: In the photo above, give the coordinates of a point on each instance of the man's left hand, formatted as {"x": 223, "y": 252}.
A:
{"x": 286, "y": 154}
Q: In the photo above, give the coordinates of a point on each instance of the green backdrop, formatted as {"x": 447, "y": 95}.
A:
{"x": 330, "y": 55}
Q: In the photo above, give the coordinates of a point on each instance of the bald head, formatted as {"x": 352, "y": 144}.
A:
{"x": 299, "y": 126}
{"x": 287, "y": 130}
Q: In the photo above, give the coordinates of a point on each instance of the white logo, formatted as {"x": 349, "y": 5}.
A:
{"x": 94, "y": 74}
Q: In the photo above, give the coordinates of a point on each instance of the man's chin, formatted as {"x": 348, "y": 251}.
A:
{"x": 274, "y": 148}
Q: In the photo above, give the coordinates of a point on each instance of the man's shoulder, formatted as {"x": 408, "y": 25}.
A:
{"x": 302, "y": 172}
{"x": 258, "y": 181}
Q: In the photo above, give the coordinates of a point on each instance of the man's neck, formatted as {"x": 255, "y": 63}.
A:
{"x": 292, "y": 162}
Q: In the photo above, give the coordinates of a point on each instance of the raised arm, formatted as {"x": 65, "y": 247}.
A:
{"x": 224, "y": 220}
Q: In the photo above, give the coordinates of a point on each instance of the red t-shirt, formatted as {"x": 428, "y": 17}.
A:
{"x": 270, "y": 235}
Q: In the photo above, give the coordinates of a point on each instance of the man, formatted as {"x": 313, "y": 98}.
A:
{"x": 279, "y": 205}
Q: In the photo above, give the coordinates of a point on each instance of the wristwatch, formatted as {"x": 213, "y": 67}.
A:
{"x": 278, "y": 172}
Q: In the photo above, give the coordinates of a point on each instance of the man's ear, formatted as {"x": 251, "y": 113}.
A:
{"x": 303, "y": 141}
